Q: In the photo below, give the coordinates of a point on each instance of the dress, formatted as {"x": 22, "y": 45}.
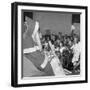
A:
{"x": 35, "y": 57}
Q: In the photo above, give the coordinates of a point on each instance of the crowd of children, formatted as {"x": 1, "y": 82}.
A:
{"x": 66, "y": 48}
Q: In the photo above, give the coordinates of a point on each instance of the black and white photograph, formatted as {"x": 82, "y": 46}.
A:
{"x": 50, "y": 44}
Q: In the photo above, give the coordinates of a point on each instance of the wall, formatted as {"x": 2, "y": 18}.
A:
{"x": 56, "y": 22}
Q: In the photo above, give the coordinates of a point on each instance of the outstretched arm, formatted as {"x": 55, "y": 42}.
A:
{"x": 30, "y": 50}
{"x": 36, "y": 36}
{"x": 45, "y": 62}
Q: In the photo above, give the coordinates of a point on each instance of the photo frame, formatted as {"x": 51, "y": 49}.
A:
{"x": 52, "y": 18}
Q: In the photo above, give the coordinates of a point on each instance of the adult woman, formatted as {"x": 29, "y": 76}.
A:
{"x": 32, "y": 45}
